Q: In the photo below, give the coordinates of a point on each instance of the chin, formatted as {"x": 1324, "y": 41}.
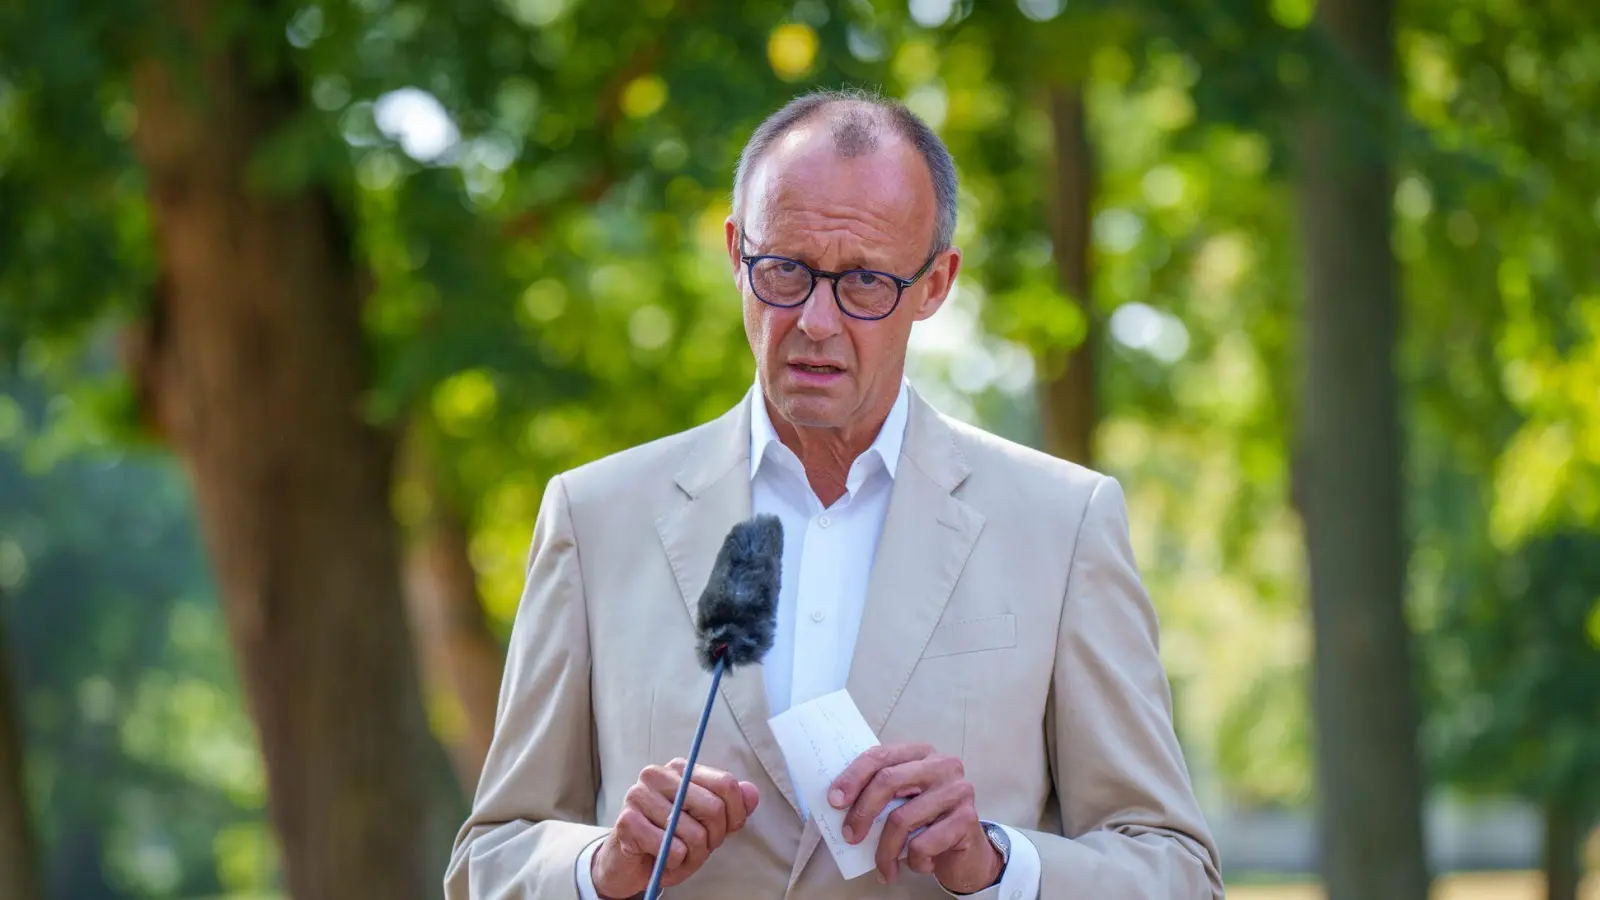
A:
{"x": 811, "y": 411}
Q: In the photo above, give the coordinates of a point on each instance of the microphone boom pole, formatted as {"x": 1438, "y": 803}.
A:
{"x": 735, "y": 625}
{"x": 653, "y": 892}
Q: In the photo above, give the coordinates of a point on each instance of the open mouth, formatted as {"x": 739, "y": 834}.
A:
{"x": 818, "y": 370}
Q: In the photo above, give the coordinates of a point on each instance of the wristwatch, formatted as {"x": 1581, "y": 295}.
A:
{"x": 1002, "y": 844}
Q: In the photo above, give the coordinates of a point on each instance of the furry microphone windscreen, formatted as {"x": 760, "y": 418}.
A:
{"x": 739, "y": 607}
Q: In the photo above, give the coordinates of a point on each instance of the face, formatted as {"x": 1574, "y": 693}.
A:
{"x": 819, "y": 368}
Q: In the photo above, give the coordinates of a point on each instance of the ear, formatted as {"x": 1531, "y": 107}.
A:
{"x": 939, "y": 280}
{"x": 730, "y": 233}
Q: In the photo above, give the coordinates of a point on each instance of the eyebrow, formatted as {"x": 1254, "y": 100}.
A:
{"x": 853, "y": 262}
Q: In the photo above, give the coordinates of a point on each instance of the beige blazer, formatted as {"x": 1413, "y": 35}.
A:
{"x": 1005, "y": 623}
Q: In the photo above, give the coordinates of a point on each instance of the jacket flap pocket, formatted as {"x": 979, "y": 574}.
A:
{"x": 972, "y": 635}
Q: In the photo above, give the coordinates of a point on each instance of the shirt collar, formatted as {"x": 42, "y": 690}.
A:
{"x": 886, "y": 446}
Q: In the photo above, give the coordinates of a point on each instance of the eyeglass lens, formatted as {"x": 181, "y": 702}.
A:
{"x": 786, "y": 283}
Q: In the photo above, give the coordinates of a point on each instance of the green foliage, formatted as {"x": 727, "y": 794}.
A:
{"x": 143, "y": 765}
{"x": 536, "y": 190}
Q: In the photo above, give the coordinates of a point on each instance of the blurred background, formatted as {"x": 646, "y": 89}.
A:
{"x": 301, "y": 304}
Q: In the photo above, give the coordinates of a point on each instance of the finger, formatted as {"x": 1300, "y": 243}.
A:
{"x": 640, "y": 837}
{"x": 730, "y": 796}
{"x": 920, "y": 811}
{"x": 657, "y": 808}
{"x": 904, "y": 780}
{"x": 947, "y": 834}
{"x": 739, "y": 798}
{"x": 861, "y": 770}
{"x": 700, "y": 807}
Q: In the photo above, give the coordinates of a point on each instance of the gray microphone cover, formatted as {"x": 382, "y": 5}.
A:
{"x": 739, "y": 608}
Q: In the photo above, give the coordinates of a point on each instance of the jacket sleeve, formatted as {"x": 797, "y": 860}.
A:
{"x": 1131, "y": 826}
{"x": 535, "y": 805}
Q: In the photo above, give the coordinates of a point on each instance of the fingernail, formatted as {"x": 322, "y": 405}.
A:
{"x": 849, "y": 833}
{"x": 836, "y": 797}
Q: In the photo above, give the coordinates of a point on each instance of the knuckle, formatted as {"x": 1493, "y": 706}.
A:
{"x": 630, "y": 820}
{"x": 878, "y": 753}
{"x": 715, "y": 808}
{"x": 898, "y": 818}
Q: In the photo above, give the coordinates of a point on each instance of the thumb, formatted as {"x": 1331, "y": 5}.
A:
{"x": 752, "y": 796}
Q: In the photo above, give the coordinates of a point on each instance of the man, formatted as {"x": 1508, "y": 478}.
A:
{"x": 978, "y": 600}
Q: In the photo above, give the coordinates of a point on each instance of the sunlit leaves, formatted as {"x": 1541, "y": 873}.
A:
{"x": 792, "y": 50}
{"x": 643, "y": 96}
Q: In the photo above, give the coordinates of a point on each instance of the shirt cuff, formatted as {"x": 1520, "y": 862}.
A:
{"x": 584, "y": 871}
{"x": 1020, "y": 881}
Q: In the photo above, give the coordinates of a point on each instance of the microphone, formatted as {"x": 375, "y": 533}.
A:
{"x": 737, "y": 620}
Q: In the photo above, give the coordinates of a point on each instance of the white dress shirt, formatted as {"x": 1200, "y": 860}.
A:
{"x": 827, "y": 562}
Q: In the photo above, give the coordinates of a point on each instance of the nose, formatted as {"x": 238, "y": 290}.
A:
{"x": 820, "y": 316}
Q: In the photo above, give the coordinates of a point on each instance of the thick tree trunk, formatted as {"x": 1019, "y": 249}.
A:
{"x": 19, "y": 859}
{"x": 461, "y": 662}
{"x": 1563, "y": 863}
{"x": 1368, "y": 774}
{"x": 1066, "y": 377}
{"x": 256, "y": 373}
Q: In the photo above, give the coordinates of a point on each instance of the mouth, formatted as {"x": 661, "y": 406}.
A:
{"x": 817, "y": 368}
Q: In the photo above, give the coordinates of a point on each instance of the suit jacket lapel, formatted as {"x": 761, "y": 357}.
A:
{"x": 927, "y": 537}
{"x": 926, "y": 540}
{"x": 716, "y": 479}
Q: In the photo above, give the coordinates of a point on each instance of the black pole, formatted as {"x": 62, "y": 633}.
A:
{"x": 653, "y": 891}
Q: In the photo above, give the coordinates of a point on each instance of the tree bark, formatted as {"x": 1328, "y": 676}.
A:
{"x": 460, "y": 660}
{"x": 1349, "y": 491}
{"x": 1563, "y": 863}
{"x": 257, "y": 376}
{"x": 19, "y": 854}
{"x": 1067, "y": 409}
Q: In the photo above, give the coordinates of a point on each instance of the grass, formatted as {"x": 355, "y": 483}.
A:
{"x": 1459, "y": 886}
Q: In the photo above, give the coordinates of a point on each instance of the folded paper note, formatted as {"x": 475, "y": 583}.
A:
{"x": 820, "y": 738}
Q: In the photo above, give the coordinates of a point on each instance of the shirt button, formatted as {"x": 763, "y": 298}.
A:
{"x": 824, "y": 521}
{"x": 816, "y": 615}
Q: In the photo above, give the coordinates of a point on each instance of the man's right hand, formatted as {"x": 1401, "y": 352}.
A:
{"x": 716, "y": 806}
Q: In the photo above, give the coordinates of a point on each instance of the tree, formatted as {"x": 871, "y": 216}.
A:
{"x": 1349, "y": 475}
{"x": 460, "y": 659}
{"x": 306, "y": 284}
{"x": 1067, "y": 395}
{"x": 19, "y": 862}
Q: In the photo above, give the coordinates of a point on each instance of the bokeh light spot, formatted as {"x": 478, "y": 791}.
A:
{"x": 644, "y": 96}
{"x": 792, "y": 49}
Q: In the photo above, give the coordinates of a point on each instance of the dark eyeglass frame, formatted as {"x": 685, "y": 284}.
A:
{"x": 818, "y": 274}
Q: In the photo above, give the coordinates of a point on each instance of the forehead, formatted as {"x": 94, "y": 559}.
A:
{"x": 804, "y": 184}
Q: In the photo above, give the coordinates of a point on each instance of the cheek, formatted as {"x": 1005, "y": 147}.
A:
{"x": 875, "y": 343}
{"x": 761, "y": 327}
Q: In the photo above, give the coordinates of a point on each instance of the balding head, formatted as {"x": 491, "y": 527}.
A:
{"x": 858, "y": 124}
{"x": 839, "y": 188}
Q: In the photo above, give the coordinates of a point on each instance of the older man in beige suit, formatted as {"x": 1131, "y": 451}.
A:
{"x": 978, "y": 600}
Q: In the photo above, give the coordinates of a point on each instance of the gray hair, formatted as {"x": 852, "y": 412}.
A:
{"x": 855, "y": 129}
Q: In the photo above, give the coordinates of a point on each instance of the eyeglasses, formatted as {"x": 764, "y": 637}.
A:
{"x": 860, "y": 293}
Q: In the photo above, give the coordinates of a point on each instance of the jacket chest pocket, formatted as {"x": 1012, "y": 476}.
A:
{"x": 972, "y": 636}
{"x": 937, "y": 703}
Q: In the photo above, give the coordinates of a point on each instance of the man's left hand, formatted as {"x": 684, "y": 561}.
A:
{"x": 939, "y": 800}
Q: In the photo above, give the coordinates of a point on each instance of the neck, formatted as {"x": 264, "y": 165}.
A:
{"x": 828, "y": 453}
